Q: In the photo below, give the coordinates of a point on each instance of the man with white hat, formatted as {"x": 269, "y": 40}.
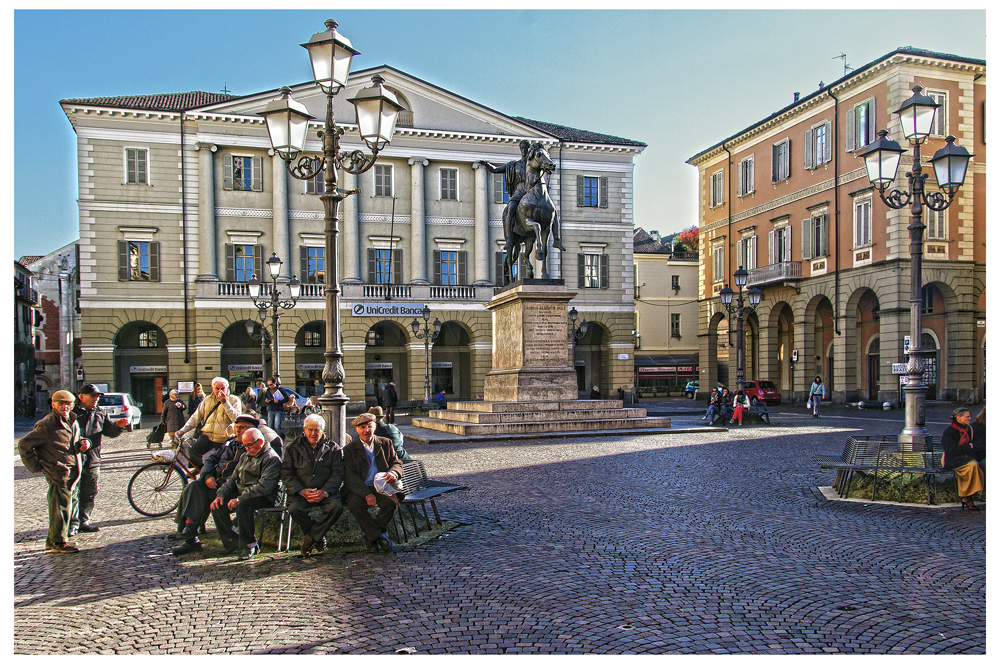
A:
{"x": 366, "y": 457}
{"x": 53, "y": 447}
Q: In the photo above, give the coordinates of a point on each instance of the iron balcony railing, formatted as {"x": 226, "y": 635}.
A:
{"x": 231, "y": 290}
{"x": 777, "y": 272}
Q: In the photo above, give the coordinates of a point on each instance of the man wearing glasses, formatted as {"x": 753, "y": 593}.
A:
{"x": 252, "y": 486}
{"x": 53, "y": 447}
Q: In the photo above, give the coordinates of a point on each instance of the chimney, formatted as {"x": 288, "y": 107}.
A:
{"x": 796, "y": 97}
{"x": 655, "y": 235}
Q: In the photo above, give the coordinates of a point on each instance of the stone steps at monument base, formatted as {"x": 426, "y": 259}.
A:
{"x": 463, "y": 429}
{"x": 471, "y": 417}
{"x": 523, "y": 406}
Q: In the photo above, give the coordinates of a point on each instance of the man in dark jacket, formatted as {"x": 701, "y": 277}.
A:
{"x": 53, "y": 447}
{"x": 94, "y": 424}
{"x": 274, "y": 399}
{"x": 391, "y": 399}
{"x": 311, "y": 472}
{"x": 365, "y": 457}
{"x": 252, "y": 486}
{"x": 198, "y": 495}
{"x": 390, "y": 431}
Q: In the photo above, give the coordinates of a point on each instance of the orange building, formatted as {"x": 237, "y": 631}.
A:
{"x": 789, "y": 200}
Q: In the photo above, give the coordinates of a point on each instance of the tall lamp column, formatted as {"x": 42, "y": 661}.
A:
{"x": 427, "y": 335}
{"x": 740, "y": 310}
{"x": 916, "y": 119}
{"x": 275, "y": 304}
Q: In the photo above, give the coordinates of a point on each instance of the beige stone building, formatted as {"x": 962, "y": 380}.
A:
{"x": 181, "y": 201}
{"x": 789, "y": 199}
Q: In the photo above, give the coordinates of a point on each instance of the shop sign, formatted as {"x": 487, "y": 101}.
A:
{"x": 309, "y": 367}
{"x": 383, "y": 309}
{"x": 685, "y": 369}
{"x": 147, "y": 369}
{"x": 244, "y": 367}
{"x": 440, "y": 365}
{"x": 378, "y": 365}
{"x": 657, "y": 370}
{"x": 581, "y": 363}
{"x": 622, "y": 356}
{"x": 185, "y": 386}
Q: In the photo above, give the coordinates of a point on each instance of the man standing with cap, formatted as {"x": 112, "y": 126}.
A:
{"x": 94, "y": 424}
{"x": 53, "y": 447}
{"x": 365, "y": 457}
{"x": 391, "y": 399}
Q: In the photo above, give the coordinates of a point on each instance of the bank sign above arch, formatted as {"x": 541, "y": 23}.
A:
{"x": 381, "y": 309}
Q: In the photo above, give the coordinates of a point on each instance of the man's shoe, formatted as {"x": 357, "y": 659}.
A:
{"x": 63, "y": 547}
{"x": 384, "y": 543}
{"x": 72, "y": 532}
{"x": 307, "y": 543}
{"x": 249, "y": 552}
{"x": 190, "y": 546}
{"x": 87, "y": 528}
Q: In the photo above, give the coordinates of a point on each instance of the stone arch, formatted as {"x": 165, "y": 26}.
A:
{"x": 141, "y": 362}
{"x": 777, "y": 344}
{"x": 451, "y": 361}
{"x": 387, "y": 358}
{"x": 243, "y": 361}
{"x": 592, "y": 359}
{"x": 816, "y": 353}
{"x": 859, "y": 327}
{"x": 716, "y": 358}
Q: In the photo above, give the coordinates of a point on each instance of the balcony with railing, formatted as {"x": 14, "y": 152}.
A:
{"x": 25, "y": 292}
{"x": 237, "y": 290}
{"x": 779, "y": 272}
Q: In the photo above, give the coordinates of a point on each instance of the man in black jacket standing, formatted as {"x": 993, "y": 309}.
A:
{"x": 311, "y": 472}
{"x": 391, "y": 399}
{"x": 94, "y": 424}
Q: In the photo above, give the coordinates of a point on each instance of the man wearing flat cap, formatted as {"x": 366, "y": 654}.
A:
{"x": 53, "y": 447}
{"x": 366, "y": 456}
{"x": 94, "y": 424}
{"x": 390, "y": 431}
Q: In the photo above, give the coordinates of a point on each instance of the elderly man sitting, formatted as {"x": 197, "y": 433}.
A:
{"x": 252, "y": 486}
{"x": 312, "y": 471}
{"x": 366, "y": 459}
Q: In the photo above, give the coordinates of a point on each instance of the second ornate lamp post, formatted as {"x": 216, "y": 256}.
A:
{"x": 577, "y": 332}
{"x": 740, "y": 311}
{"x": 263, "y": 336}
{"x": 916, "y": 118}
{"x": 287, "y": 125}
{"x": 427, "y": 335}
{"x": 274, "y": 303}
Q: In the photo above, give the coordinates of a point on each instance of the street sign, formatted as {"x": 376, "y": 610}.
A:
{"x": 899, "y": 368}
{"x": 906, "y": 345}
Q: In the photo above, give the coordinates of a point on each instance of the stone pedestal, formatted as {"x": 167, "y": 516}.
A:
{"x": 531, "y": 352}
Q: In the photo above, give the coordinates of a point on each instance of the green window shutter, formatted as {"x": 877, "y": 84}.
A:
{"x": 807, "y": 250}
{"x": 122, "y": 260}
{"x": 604, "y": 192}
{"x": 227, "y": 172}
{"x": 828, "y": 143}
{"x": 852, "y": 142}
{"x": 822, "y": 250}
{"x": 397, "y": 267}
{"x": 371, "y": 266}
{"x": 257, "y": 174}
{"x": 154, "y": 261}
{"x": 605, "y": 269}
{"x": 462, "y": 268}
{"x": 870, "y": 138}
{"x": 230, "y": 262}
{"x": 498, "y": 188}
{"x": 579, "y": 191}
{"x": 581, "y": 270}
{"x": 140, "y": 166}
{"x": 304, "y": 263}
{"x": 437, "y": 267}
{"x": 809, "y": 149}
{"x": 258, "y": 261}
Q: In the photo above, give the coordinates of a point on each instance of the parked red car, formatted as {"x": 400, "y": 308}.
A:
{"x": 761, "y": 390}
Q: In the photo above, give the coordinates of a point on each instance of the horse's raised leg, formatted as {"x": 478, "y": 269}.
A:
{"x": 529, "y": 268}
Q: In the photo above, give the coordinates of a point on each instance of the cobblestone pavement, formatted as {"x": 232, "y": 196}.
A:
{"x": 704, "y": 542}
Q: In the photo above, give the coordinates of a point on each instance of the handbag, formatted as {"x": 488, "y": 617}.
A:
{"x": 155, "y": 435}
{"x": 809, "y": 403}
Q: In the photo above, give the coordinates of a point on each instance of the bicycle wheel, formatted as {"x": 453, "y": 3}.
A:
{"x": 155, "y": 489}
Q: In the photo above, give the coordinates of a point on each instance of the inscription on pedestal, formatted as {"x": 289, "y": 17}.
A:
{"x": 507, "y": 325}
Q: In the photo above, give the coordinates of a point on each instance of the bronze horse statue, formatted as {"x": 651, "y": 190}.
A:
{"x": 535, "y": 218}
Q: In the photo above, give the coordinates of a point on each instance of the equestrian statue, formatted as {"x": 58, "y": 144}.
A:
{"x": 530, "y": 215}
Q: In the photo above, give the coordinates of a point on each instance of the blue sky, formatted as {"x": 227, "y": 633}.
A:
{"x": 678, "y": 80}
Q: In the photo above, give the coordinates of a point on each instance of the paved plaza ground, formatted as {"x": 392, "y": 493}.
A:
{"x": 699, "y": 542}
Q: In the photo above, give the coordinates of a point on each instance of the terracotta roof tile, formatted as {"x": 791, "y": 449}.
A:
{"x": 175, "y": 101}
{"x": 578, "y": 135}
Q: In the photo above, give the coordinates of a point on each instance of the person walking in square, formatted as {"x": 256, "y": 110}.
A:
{"x": 817, "y": 392}
{"x": 391, "y": 399}
{"x": 173, "y": 416}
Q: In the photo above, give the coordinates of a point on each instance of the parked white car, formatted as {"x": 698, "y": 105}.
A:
{"x": 120, "y": 405}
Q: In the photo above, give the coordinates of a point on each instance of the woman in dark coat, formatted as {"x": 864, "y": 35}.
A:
{"x": 173, "y": 414}
{"x": 960, "y": 456}
{"x": 196, "y": 398}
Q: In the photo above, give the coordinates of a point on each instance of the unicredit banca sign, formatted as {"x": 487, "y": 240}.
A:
{"x": 387, "y": 309}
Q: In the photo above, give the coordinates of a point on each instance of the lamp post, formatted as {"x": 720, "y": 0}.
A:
{"x": 427, "y": 335}
{"x": 263, "y": 336}
{"x": 916, "y": 118}
{"x": 740, "y": 310}
{"x": 580, "y": 332}
{"x": 275, "y": 304}
{"x": 287, "y": 125}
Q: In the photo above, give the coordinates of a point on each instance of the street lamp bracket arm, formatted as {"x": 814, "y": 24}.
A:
{"x": 356, "y": 161}
{"x": 896, "y": 199}
{"x": 937, "y": 201}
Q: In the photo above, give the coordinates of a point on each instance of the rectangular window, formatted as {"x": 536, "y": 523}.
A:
{"x": 675, "y": 325}
{"x": 940, "y": 125}
{"x": 385, "y": 266}
{"x": 780, "y": 161}
{"x": 863, "y": 222}
{"x": 675, "y": 281}
{"x": 449, "y": 184}
{"x": 591, "y": 192}
{"x": 937, "y": 224}
{"x": 927, "y": 307}
{"x": 716, "y": 195}
{"x": 499, "y": 258}
{"x": 243, "y": 262}
{"x": 383, "y": 180}
{"x": 780, "y": 245}
{"x": 313, "y": 338}
{"x": 138, "y": 261}
{"x": 746, "y": 252}
{"x": 313, "y": 264}
{"x": 147, "y": 339}
{"x": 817, "y": 142}
{"x": 317, "y": 183}
{"x": 814, "y": 237}
{"x": 744, "y": 177}
{"x": 135, "y": 166}
{"x": 861, "y": 125}
{"x": 500, "y": 188}
{"x": 593, "y": 271}
{"x": 719, "y": 262}
{"x": 449, "y": 268}
{"x": 242, "y": 173}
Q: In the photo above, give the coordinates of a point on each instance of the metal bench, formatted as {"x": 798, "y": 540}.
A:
{"x": 418, "y": 489}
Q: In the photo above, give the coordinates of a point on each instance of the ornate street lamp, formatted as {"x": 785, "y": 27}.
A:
{"x": 263, "y": 336}
{"x": 274, "y": 303}
{"x": 916, "y": 118}
{"x": 577, "y": 333}
{"x": 287, "y": 120}
{"x": 427, "y": 335}
{"x": 740, "y": 310}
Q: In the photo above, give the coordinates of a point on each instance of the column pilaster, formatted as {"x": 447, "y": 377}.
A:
{"x": 418, "y": 260}
{"x": 207, "y": 266}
